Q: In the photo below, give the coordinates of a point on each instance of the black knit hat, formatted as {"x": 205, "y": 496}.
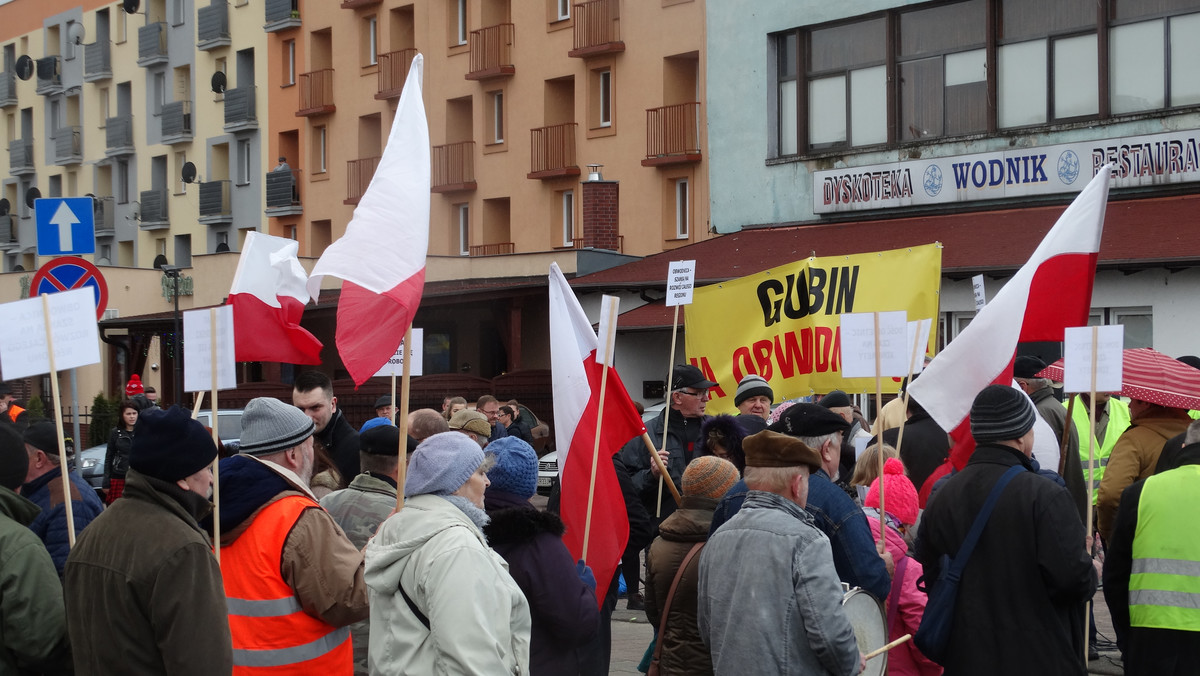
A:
{"x": 169, "y": 445}
{"x": 14, "y": 461}
{"x": 752, "y": 386}
{"x": 1001, "y": 413}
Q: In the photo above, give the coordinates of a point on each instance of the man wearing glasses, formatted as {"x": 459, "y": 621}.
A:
{"x": 686, "y": 413}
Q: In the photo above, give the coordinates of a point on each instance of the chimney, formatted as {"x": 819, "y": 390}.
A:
{"x": 601, "y": 202}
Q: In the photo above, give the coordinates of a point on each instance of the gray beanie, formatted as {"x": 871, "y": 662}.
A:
{"x": 442, "y": 464}
{"x": 752, "y": 386}
{"x": 1001, "y": 413}
{"x": 270, "y": 426}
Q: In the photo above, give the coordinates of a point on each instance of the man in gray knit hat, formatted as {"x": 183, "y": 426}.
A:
{"x": 286, "y": 563}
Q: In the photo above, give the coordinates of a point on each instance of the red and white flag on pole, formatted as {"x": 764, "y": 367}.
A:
{"x": 381, "y": 258}
{"x": 576, "y": 381}
{"x": 268, "y": 297}
{"x": 1052, "y": 291}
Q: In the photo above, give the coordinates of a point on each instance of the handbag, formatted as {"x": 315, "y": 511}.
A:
{"x": 933, "y": 635}
{"x": 662, "y": 622}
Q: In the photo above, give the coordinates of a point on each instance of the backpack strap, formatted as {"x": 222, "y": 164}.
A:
{"x": 893, "y": 604}
{"x": 968, "y": 545}
{"x": 413, "y": 606}
{"x": 662, "y": 622}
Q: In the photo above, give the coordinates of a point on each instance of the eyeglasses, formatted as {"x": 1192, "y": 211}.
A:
{"x": 702, "y": 395}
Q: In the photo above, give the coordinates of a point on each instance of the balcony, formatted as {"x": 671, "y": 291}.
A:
{"x": 553, "y": 151}
{"x": 597, "y": 29}
{"x": 577, "y": 243}
{"x": 9, "y": 241}
{"x": 154, "y": 213}
{"x": 176, "y": 119}
{"x": 105, "y": 212}
{"x": 152, "y": 44}
{"x": 491, "y": 52}
{"x": 355, "y": 4}
{"x": 49, "y": 76}
{"x": 118, "y": 136}
{"x": 20, "y": 157}
{"x": 453, "y": 167}
{"x": 497, "y": 249}
{"x": 358, "y": 177}
{"x": 282, "y": 15}
{"x": 316, "y": 93}
{"x": 97, "y": 61}
{"x": 212, "y": 26}
{"x": 214, "y": 203}
{"x": 283, "y": 193}
{"x": 672, "y": 135}
{"x": 393, "y": 71}
{"x": 67, "y": 146}
{"x": 240, "y": 111}
{"x": 8, "y": 90}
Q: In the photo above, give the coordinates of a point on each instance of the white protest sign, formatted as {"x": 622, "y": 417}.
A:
{"x": 860, "y": 446}
{"x": 197, "y": 350}
{"x": 681, "y": 279}
{"x": 1077, "y": 358}
{"x": 607, "y": 330}
{"x": 395, "y": 365}
{"x": 918, "y": 338}
{"x": 858, "y": 345}
{"x": 977, "y": 286}
{"x": 73, "y": 329}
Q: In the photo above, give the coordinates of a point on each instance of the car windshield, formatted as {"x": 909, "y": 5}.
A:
{"x": 230, "y": 424}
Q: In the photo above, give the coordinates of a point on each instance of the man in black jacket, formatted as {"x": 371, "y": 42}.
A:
{"x": 313, "y": 393}
{"x": 1020, "y": 602}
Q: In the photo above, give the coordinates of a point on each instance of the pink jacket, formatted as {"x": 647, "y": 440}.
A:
{"x": 905, "y": 659}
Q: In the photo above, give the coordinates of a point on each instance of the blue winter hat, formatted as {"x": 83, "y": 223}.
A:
{"x": 442, "y": 464}
{"x": 373, "y": 423}
{"x": 516, "y": 467}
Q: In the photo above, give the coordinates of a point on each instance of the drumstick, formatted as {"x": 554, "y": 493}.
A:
{"x": 876, "y": 653}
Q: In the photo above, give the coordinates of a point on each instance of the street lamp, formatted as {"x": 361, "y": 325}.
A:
{"x": 172, "y": 271}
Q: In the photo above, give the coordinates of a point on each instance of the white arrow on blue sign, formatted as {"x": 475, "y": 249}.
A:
{"x": 65, "y": 226}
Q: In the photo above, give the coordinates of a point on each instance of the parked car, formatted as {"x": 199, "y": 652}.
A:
{"x": 229, "y": 423}
{"x": 547, "y": 473}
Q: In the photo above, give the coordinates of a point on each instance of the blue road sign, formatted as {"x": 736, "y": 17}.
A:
{"x": 65, "y": 226}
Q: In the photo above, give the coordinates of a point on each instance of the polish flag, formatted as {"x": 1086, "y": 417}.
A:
{"x": 268, "y": 297}
{"x": 381, "y": 258}
{"x": 576, "y": 380}
{"x": 1051, "y": 292}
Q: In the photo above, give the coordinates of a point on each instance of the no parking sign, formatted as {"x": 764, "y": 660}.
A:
{"x": 70, "y": 272}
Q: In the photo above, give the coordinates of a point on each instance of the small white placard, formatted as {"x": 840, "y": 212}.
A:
{"x": 918, "y": 337}
{"x": 607, "y": 334}
{"x": 76, "y": 338}
{"x": 395, "y": 365}
{"x": 197, "y": 350}
{"x": 681, "y": 279}
{"x": 977, "y": 286}
{"x": 1077, "y": 358}
{"x": 858, "y": 345}
{"x": 860, "y": 445}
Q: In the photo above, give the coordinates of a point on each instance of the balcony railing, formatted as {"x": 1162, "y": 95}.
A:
{"x": 358, "y": 177}
{"x": 240, "y": 111}
{"x": 283, "y": 193}
{"x": 393, "y": 71}
{"x": 491, "y": 52}
{"x": 597, "y": 28}
{"x": 672, "y": 134}
{"x": 553, "y": 151}
{"x": 282, "y": 15}
{"x": 577, "y": 243}
{"x": 316, "y": 93}
{"x": 8, "y": 90}
{"x": 67, "y": 146}
{"x": 104, "y": 209}
{"x": 212, "y": 25}
{"x": 352, "y": 4}
{"x": 497, "y": 249}
{"x": 152, "y": 44}
{"x": 176, "y": 118}
{"x": 20, "y": 157}
{"x": 215, "y": 203}
{"x": 118, "y": 135}
{"x": 153, "y": 210}
{"x": 49, "y": 75}
{"x": 8, "y": 232}
{"x": 97, "y": 61}
{"x": 453, "y": 167}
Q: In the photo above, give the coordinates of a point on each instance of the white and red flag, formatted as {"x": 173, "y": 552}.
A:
{"x": 1051, "y": 292}
{"x": 576, "y": 380}
{"x": 268, "y": 297}
{"x": 381, "y": 258}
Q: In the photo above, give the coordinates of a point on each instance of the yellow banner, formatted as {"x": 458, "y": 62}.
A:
{"x": 784, "y": 324}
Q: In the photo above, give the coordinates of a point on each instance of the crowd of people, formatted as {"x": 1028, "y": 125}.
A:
{"x": 784, "y": 507}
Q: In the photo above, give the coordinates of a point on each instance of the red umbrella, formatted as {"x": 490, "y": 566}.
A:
{"x": 1150, "y": 375}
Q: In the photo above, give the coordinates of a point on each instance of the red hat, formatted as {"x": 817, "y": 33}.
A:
{"x": 901, "y": 495}
{"x": 134, "y": 386}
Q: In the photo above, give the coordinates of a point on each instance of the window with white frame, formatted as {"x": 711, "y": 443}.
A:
{"x": 160, "y": 92}
{"x": 372, "y": 41}
{"x": 682, "y": 209}
{"x": 463, "y": 214}
{"x": 498, "y": 117}
{"x": 243, "y": 162}
{"x": 322, "y": 157}
{"x": 290, "y": 63}
{"x": 180, "y": 160}
{"x": 605, "y": 98}
{"x": 461, "y": 21}
{"x": 568, "y": 218}
{"x": 177, "y": 12}
{"x": 564, "y": 9}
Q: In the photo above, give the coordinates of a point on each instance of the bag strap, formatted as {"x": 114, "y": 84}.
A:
{"x": 893, "y": 605}
{"x": 662, "y": 622}
{"x": 968, "y": 545}
{"x": 413, "y": 607}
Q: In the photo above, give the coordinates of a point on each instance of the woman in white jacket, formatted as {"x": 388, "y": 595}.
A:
{"x": 442, "y": 602}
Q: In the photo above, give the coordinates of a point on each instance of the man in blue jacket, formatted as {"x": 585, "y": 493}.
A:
{"x": 44, "y": 487}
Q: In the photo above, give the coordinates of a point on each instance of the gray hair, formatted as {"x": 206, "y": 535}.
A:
{"x": 1193, "y": 433}
{"x": 816, "y": 443}
{"x": 771, "y": 479}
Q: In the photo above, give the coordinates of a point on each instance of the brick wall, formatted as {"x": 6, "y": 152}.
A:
{"x": 601, "y": 221}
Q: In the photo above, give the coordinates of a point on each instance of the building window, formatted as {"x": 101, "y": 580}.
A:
{"x": 460, "y": 21}
{"x": 104, "y": 107}
{"x": 463, "y": 213}
{"x": 320, "y": 157}
{"x": 122, "y": 182}
{"x": 682, "y": 209}
{"x": 605, "y": 98}
{"x": 568, "y": 218}
{"x": 177, "y": 12}
{"x": 498, "y": 117}
{"x": 160, "y": 92}
{"x": 122, "y": 27}
{"x": 180, "y": 160}
{"x": 291, "y": 233}
{"x": 223, "y": 238}
{"x": 370, "y": 41}
{"x": 243, "y": 162}
{"x": 289, "y": 63}
{"x": 564, "y": 9}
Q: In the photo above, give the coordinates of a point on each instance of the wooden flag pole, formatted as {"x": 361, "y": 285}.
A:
{"x": 395, "y": 408}
{"x": 402, "y": 413}
{"x": 667, "y": 422}
{"x": 662, "y": 468}
{"x": 587, "y": 523}
{"x": 1087, "y": 616}
{"x": 197, "y": 405}
{"x": 62, "y": 441}
{"x": 912, "y": 366}
{"x": 879, "y": 439}
{"x": 605, "y": 349}
{"x": 214, "y": 418}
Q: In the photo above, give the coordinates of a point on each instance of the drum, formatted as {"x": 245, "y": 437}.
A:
{"x": 870, "y": 627}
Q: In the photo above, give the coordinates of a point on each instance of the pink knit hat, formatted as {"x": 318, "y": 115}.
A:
{"x": 899, "y": 493}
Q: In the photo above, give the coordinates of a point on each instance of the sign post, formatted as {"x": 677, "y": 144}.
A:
{"x": 681, "y": 280}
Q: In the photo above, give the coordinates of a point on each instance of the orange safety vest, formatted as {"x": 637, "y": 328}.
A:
{"x": 14, "y": 411}
{"x": 271, "y": 632}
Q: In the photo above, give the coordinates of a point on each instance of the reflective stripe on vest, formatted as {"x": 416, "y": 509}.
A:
{"x": 1164, "y": 587}
{"x": 1118, "y": 422}
{"x": 267, "y": 622}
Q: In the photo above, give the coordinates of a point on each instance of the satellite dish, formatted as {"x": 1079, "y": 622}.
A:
{"x": 31, "y": 195}
{"x": 25, "y": 67}
{"x": 5, "y": 205}
{"x": 76, "y": 32}
{"x": 160, "y": 260}
{"x": 189, "y": 172}
{"x": 218, "y": 82}
{"x": 131, "y": 6}
{"x": 223, "y": 247}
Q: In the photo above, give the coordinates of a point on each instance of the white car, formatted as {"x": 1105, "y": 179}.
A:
{"x": 547, "y": 473}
